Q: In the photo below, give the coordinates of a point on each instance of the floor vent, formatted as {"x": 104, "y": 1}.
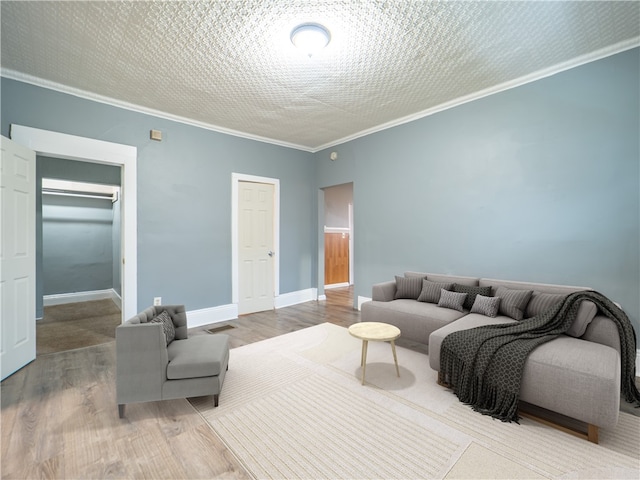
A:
{"x": 220, "y": 328}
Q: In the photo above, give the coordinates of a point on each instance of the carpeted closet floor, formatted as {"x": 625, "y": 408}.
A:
{"x": 76, "y": 325}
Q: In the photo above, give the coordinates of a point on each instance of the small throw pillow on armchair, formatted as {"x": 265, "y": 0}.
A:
{"x": 167, "y": 325}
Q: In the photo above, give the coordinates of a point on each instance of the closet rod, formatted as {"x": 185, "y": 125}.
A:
{"x": 113, "y": 197}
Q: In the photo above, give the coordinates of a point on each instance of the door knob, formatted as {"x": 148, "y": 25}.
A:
{"x": 270, "y": 253}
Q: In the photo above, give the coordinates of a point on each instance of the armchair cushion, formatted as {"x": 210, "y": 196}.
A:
{"x": 200, "y": 356}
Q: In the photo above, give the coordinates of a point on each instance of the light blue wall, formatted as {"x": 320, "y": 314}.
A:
{"x": 184, "y": 194}
{"x": 537, "y": 183}
{"x": 77, "y": 254}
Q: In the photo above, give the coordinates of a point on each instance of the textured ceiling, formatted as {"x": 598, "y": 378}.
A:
{"x": 229, "y": 65}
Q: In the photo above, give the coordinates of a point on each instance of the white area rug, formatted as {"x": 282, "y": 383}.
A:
{"x": 293, "y": 407}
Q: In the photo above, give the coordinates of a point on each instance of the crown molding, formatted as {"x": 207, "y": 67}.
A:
{"x": 532, "y": 77}
{"x": 76, "y": 92}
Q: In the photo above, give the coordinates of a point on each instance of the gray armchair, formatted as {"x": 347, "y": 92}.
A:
{"x": 147, "y": 369}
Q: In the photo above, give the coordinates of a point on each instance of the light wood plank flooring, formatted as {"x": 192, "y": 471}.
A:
{"x": 60, "y": 419}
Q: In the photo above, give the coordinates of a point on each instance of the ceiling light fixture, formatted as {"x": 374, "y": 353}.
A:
{"x": 310, "y": 37}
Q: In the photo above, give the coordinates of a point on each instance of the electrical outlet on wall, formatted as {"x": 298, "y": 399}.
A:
{"x": 157, "y": 300}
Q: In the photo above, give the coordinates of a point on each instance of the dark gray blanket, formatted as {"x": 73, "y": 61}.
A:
{"x": 484, "y": 365}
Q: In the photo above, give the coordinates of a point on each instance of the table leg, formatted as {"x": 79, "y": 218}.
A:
{"x": 395, "y": 358}
{"x": 365, "y": 345}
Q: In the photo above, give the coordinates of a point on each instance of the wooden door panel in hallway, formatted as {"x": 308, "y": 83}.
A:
{"x": 336, "y": 258}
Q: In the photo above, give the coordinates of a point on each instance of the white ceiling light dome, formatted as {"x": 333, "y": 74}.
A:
{"x": 310, "y": 37}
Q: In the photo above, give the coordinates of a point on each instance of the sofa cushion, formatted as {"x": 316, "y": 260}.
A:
{"x": 541, "y": 302}
{"x": 416, "y": 320}
{"x": 574, "y": 378}
{"x": 167, "y": 325}
{"x": 436, "y": 277}
{"x": 408, "y": 287}
{"x": 487, "y": 306}
{"x": 514, "y": 302}
{"x": 586, "y": 313}
{"x": 471, "y": 292}
{"x": 538, "y": 287}
{"x": 198, "y": 356}
{"x": 471, "y": 320}
{"x": 453, "y": 300}
{"x": 431, "y": 291}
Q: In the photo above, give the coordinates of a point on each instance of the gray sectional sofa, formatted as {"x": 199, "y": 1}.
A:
{"x": 576, "y": 375}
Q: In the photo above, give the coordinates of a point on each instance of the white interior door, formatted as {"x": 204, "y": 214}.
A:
{"x": 17, "y": 257}
{"x": 255, "y": 247}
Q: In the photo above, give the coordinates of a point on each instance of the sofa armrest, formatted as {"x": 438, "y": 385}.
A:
{"x": 384, "y": 292}
{"x": 141, "y": 362}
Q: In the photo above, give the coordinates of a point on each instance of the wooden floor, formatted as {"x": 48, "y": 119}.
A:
{"x": 60, "y": 419}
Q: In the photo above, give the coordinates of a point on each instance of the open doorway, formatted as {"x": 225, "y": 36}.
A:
{"x": 338, "y": 239}
{"x": 78, "y": 266}
{"x": 61, "y": 145}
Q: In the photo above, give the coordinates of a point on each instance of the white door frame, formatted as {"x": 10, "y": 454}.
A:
{"x": 236, "y": 178}
{"x": 71, "y": 147}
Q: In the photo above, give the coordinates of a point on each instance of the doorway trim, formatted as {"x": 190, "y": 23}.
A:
{"x": 72, "y": 147}
{"x": 236, "y": 178}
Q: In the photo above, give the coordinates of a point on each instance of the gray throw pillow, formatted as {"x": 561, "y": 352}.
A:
{"x": 408, "y": 287}
{"x": 586, "y": 312}
{"x": 487, "y": 306}
{"x": 453, "y": 300}
{"x": 471, "y": 291}
{"x": 541, "y": 302}
{"x": 431, "y": 291}
{"x": 167, "y": 325}
{"x": 514, "y": 302}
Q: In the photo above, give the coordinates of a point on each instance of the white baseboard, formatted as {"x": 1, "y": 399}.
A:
{"x": 117, "y": 299}
{"x": 205, "y": 316}
{"x": 336, "y": 285}
{"x": 361, "y": 300}
{"x": 222, "y": 313}
{"x": 62, "y": 298}
{"x": 322, "y": 297}
{"x": 294, "y": 298}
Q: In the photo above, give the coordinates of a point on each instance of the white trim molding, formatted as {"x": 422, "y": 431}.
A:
{"x": 638, "y": 363}
{"x": 294, "y": 298}
{"x": 206, "y": 316}
{"x": 75, "y": 297}
{"x": 72, "y": 147}
{"x": 572, "y": 63}
{"x": 76, "y": 92}
{"x": 222, "y": 313}
{"x": 336, "y": 285}
{"x": 361, "y": 300}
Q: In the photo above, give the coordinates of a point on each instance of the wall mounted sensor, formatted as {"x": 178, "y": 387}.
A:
{"x": 333, "y": 156}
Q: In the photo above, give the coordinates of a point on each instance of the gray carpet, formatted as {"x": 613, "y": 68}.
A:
{"x": 76, "y": 325}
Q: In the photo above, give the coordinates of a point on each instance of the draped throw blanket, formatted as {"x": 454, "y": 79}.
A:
{"x": 484, "y": 365}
